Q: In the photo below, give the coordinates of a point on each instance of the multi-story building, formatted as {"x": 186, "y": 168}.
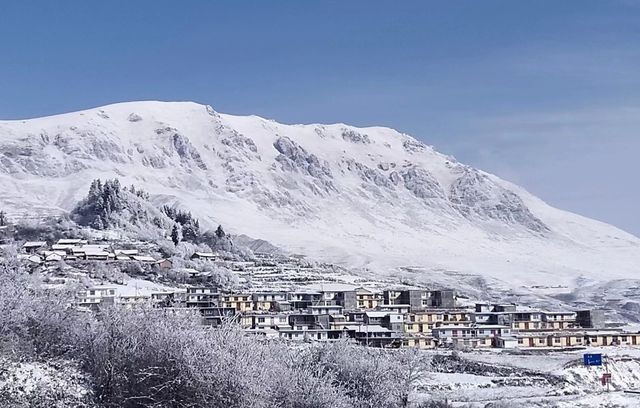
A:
{"x": 368, "y": 299}
{"x": 241, "y": 302}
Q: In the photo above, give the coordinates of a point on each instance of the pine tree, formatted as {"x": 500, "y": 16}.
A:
{"x": 175, "y": 234}
{"x": 220, "y": 232}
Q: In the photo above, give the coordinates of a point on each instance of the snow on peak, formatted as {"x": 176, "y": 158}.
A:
{"x": 365, "y": 197}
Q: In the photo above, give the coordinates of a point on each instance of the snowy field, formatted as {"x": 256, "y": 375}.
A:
{"x": 540, "y": 379}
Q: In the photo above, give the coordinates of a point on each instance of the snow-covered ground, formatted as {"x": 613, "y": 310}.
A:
{"x": 538, "y": 379}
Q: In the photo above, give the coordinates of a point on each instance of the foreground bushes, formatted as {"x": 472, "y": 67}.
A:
{"x": 164, "y": 358}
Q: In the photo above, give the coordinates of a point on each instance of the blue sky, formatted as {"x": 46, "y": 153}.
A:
{"x": 543, "y": 93}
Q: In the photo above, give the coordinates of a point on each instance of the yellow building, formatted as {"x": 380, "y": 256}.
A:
{"x": 528, "y": 325}
{"x": 532, "y": 340}
{"x": 241, "y": 302}
{"x": 421, "y": 342}
{"x": 418, "y": 327}
{"x": 368, "y": 299}
{"x": 564, "y": 340}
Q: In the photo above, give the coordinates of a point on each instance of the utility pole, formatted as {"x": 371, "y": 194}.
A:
{"x": 606, "y": 367}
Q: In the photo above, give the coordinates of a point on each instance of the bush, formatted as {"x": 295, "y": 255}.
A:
{"x": 146, "y": 357}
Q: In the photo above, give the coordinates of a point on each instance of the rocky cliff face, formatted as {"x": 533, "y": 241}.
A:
{"x": 365, "y": 197}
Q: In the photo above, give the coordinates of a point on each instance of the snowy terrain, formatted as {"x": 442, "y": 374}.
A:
{"x": 536, "y": 379}
{"x": 368, "y": 198}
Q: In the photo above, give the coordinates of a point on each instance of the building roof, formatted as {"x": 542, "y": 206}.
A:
{"x": 143, "y": 258}
{"x": 126, "y": 251}
{"x": 71, "y": 241}
{"x": 378, "y": 314}
{"x": 34, "y": 244}
{"x": 205, "y": 254}
{"x": 370, "y": 328}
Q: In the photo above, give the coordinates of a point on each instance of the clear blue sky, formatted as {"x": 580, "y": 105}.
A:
{"x": 543, "y": 93}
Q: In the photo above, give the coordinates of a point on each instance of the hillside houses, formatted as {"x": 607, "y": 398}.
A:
{"x": 40, "y": 252}
{"x": 333, "y": 312}
{"x": 294, "y": 300}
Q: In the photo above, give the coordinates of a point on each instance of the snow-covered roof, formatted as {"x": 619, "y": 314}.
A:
{"x": 143, "y": 258}
{"x": 378, "y": 314}
{"x": 371, "y": 328}
{"x": 205, "y": 254}
{"x": 34, "y": 244}
{"x": 126, "y": 251}
{"x": 62, "y": 247}
{"x": 71, "y": 241}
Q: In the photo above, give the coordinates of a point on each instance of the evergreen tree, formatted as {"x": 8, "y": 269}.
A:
{"x": 220, "y": 232}
{"x": 175, "y": 234}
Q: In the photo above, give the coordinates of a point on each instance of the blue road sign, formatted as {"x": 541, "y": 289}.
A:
{"x": 593, "y": 359}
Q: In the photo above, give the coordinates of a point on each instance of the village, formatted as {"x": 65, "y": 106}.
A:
{"x": 287, "y": 298}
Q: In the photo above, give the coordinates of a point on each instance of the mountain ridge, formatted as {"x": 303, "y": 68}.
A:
{"x": 369, "y": 198}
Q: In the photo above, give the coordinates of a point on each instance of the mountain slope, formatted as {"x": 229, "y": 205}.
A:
{"x": 364, "y": 197}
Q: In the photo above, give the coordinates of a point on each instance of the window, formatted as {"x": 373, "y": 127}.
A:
{"x": 556, "y": 339}
{"x": 260, "y": 319}
{"x": 520, "y": 341}
{"x": 92, "y": 293}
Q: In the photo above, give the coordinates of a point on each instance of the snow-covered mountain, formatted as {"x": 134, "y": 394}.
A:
{"x": 363, "y": 197}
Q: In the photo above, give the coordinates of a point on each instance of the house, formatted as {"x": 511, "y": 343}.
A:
{"x": 208, "y": 256}
{"x": 565, "y": 339}
{"x": 62, "y": 247}
{"x": 375, "y": 336}
{"x": 396, "y": 308}
{"x": 506, "y": 342}
{"x": 414, "y": 299}
{"x": 31, "y": 247}
{"x": 202, "y": 297}
{"x": 239, "y": 301}
{"x": 130, "y": 301}
{"x": 126, "y": 252}
{"x": 95, "y": 296}
{"x": 368, "y": 298}
{"x": 92, "y": 254}
{"x": 447, "y": 334}
{"x": 168, "y": 299}
{"x": 268, "y": 300}
{"x": 421, "y": 342}
{"x": 591, "y": 319}
{"x": 53, "y": 257}
{"x": 143, "y": 258}
{"x": 266, "y": 320}
{"x": 164, "y": 264}
{"x": 304, "y": 334}
{"x": 444, "y": 298}
{"x": 532, "y": 340}
{"x": 389, "y": 320}
{"x": 215, "y": 316}
{"x": 301, "y": 320}
{"x": 325, "y": 310}
{"x": 71, "y": 242}
{"x": 34, "y": 259}
{"x": 558, "y": 316}
{"x": 301, "y": 300}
